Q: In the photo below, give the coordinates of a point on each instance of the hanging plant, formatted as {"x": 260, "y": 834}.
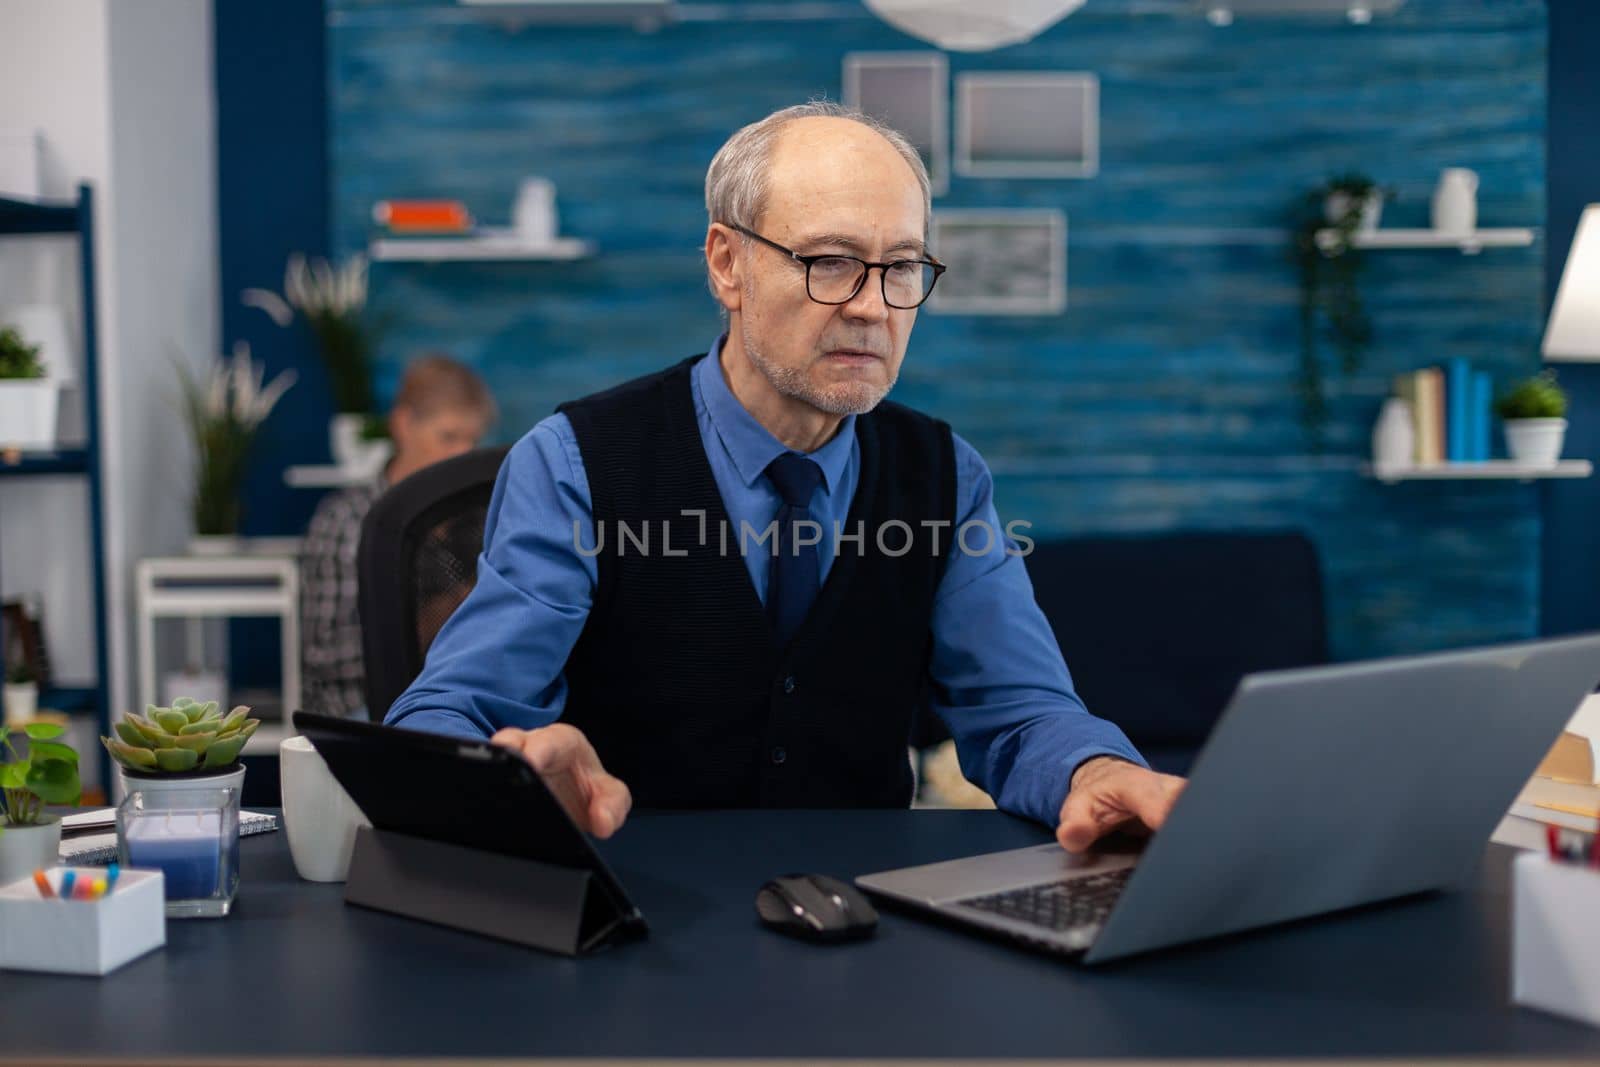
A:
{"x": 1330, "y": 300}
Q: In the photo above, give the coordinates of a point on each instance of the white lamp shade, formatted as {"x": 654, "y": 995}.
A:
{"x": 45, "y": 325}
{"x": 968, "y": 26}
{"x": 1574, "y": 330}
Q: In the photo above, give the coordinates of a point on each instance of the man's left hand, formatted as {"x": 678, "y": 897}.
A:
{"x": 1106, "y": 793}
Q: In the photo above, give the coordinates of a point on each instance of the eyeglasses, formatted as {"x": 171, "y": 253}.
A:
{"x": 832, "y": 279}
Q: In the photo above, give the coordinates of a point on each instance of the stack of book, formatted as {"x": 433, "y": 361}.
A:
{"x": 1564, "y": 791}
{"x": 1450, "y": 411}
{"x": 419, "y": 218}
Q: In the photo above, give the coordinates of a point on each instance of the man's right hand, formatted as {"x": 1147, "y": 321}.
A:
{"x": 564, "y": 758}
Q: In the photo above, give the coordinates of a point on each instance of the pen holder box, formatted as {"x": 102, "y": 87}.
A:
{"x": 1555, "y": 937}
{"x": 40, "y": 933}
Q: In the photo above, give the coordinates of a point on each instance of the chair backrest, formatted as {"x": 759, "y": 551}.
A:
{"x": 1157, "y": 631}
{"x": 417, "y": 562}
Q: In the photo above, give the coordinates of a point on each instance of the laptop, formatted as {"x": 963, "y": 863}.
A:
{"x": 1320, "y": 789}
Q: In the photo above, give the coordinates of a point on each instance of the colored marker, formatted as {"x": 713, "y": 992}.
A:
{"x": 97, "y": 890}
{"x": 44, "y": 885}
{"x": 66, "y": 884}
{"x": 111, "y": 877}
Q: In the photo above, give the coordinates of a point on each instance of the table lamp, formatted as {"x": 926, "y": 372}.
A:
{"x": 1574, "y": 330}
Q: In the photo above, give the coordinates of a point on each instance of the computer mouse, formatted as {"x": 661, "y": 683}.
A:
{"x": 814, "y": 907}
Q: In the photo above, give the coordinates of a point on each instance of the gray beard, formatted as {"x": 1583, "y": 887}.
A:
{"x": 854, "y": 398}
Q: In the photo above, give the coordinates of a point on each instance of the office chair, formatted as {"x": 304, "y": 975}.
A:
{"x": 417, "y": 561}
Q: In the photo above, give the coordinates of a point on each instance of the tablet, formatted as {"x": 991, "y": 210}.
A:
{"x": 461, "y": 792}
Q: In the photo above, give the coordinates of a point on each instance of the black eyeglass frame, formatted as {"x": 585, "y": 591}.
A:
{"x": 883, "y": 270}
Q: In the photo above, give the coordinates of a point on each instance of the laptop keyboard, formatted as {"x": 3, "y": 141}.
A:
{"x": 1064, "y": 905}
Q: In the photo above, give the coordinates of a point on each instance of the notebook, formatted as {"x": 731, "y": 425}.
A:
{"x": 89, "y": 848}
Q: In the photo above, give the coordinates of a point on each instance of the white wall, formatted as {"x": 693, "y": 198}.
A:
{"x": 124, "y": 93}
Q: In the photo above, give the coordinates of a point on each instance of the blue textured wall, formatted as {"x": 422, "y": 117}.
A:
{"x": 1163, "y": 397}
{"x": 1572, "y": 509}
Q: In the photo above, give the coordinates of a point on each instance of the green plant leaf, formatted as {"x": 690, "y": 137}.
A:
{"x": 137, "y": 759}
{"x": 172, "y": 721}
{"x": 194, "y": 712}
{"x": 234, "y": 720}
{"x": 54, "y": 782}
{"x": 249, "y": 728}
{"x": 129, "y": 733}
{"x": 193, "y": 742}
{"x": 43, "y": 731}
{"x": 224, "y": 752}
{"x": 200, "y": 728}
{"x": 176, "y": 759}
{"x": 14, "y": 775}
{"x": 40, "y": 751}
{"x": 181, "y": 703}
{"x": 210, "y": 709}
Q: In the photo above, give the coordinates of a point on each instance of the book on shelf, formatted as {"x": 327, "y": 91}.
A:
{"x": 1450, "y": 411}
{"x": 422, "y": 217}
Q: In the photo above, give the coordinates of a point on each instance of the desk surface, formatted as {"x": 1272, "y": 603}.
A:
{"x": 294, "y": 972}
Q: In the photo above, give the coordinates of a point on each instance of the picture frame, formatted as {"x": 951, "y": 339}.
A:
{"x": 1002, "y": 261}
{"x": 1016, "y": 124}
{"x": 911, "y": 92}
{"x": 23, "y": 628}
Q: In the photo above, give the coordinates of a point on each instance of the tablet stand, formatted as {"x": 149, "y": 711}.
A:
{"x": 558, "y": 909}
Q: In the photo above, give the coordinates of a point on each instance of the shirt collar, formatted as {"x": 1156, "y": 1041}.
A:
{"x": 751, "y": 445}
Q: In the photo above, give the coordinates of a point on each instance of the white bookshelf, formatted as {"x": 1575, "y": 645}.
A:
{"x": 1467, "y": 243}
{"x": 487, "y": 245}
{"x": 1501, "y": 469}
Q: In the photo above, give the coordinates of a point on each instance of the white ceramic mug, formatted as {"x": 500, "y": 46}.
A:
{"x": 318, "y": 815}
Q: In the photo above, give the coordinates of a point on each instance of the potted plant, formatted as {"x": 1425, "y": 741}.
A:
{"x": 27, "y": 397}
{"x": 30, "y": 839}
{"x": 1330, "y": 266}
{"x": 223, "y": 413}
{"x": 21, "y": 694}
{"x": 188, "y": 746}
{"x": 1534, "y": 412}
{"x": 333, "y": 301}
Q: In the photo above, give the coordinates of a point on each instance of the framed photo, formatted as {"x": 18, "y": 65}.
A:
{"x": 1001, "y": 262}
{"x": 1028, "y": 125}
{"x": 24, "y": 640}
{"x": 910, "y": 91}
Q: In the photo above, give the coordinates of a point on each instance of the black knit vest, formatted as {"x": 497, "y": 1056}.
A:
{"x": 676, "y": 678}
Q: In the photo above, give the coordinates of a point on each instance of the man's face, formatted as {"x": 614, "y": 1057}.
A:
{"x": 836, "y": 187}
{"x": 423, "y": 440}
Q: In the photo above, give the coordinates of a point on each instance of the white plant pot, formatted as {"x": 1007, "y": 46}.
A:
{"x": 28, "y": 413}
{"x": 1336, "y": 205}
{"x": 214, "y": 545}
{"x": 167, "y": 784}
{"x": 344, "y": 439}
{"x": 1535, "y": 442}
{"x": 21, "y": 702}
{"x": 25, "y": 849}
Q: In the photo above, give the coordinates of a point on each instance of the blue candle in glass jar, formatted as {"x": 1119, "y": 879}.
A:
{"x": 185, "y": 845}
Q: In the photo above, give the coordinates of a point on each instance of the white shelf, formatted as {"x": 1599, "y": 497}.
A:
{"x": 1468, "y": 243}
{"x": 484, "y": 246}
{"x": 1502, "y": 469}
{"x": 325, "y": 476}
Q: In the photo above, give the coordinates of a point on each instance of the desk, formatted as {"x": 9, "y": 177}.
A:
{"x": 294, "y": 972}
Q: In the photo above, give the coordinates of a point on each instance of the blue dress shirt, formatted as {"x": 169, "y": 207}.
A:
{"x": 999, "y": 681}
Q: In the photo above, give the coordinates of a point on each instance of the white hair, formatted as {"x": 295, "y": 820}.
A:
{"x": 736, "y": 182}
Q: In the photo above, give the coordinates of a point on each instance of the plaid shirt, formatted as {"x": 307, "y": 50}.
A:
{"x": 330, "y": 621}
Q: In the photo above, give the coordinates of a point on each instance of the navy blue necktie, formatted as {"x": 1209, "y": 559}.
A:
{"x": 796, "y": 576}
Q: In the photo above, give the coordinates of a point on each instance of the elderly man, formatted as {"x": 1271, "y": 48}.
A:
{"x": 729, "y": 584}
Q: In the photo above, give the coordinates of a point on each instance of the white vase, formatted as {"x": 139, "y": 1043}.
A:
{"x": 1535, "y": 442}
{"x": 1394, "y": 437}
{"x": 1455, "y": 201}
{"x": 28, "y": 413}
{"x": 344, "y": 439}
{"x": 25, "y": 849}
{"x": 534, "y": 213}
{"x": 21, "y": 702}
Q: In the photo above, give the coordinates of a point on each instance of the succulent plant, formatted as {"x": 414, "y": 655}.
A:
{"x": 188, "y": 736}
